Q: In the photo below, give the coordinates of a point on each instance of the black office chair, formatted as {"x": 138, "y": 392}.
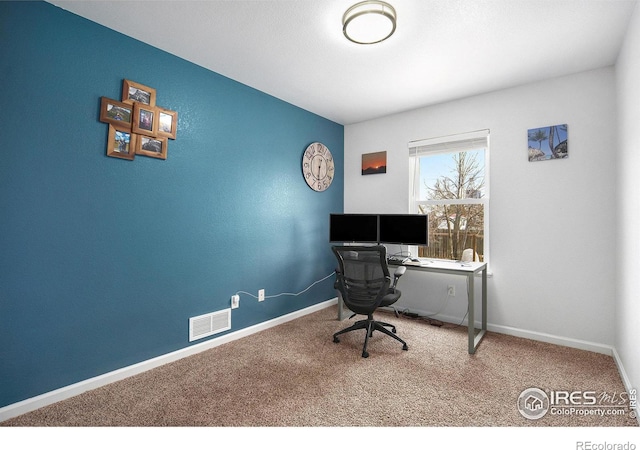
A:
{"x": 364, "y": 282}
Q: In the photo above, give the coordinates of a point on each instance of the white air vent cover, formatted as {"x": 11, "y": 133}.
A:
{"x": 208, "y": 324}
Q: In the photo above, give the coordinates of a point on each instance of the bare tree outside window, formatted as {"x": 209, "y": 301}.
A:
{"x": 455, "y": 227}
{"x": 450, "y": 185}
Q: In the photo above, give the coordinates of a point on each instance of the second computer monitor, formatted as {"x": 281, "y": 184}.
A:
{"x": 362, "y": 228}
{"x": 405, "y": 229}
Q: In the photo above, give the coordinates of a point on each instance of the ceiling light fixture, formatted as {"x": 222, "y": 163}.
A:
{"x": 369, "y": 22}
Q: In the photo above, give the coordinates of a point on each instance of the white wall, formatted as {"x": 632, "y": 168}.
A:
{"x": 552, "y": 222}
{"x": 627, "y": 330}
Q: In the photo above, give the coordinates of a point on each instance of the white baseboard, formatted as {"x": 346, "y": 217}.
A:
{"x": 518, "y": 332}
{"x": 553, "y": 339}
{"x": 31, "y": 404}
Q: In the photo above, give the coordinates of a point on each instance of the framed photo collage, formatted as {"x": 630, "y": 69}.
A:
{"x": 136, "y": 125}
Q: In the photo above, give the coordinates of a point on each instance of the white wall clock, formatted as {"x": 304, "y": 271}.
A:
{"x": 318, "y": 167}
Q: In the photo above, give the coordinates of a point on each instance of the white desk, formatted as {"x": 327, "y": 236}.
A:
{"x": 468, "y": 270}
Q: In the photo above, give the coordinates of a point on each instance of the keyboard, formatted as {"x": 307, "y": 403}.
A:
{"x": 395, "y": 260}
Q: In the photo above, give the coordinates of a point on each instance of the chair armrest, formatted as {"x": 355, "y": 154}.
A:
{"x": 397, "y": 274}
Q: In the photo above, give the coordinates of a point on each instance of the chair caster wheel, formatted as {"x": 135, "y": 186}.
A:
{"x": 335, "y": 339}
{"x": 405, "y": 348}
{"x": 365, "y": 354}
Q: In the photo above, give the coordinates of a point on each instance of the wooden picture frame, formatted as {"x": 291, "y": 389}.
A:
{"x": 145, "y": 120}
{"x": 136, "y": 92}
{"x": 155, "y": 147}
{"x": 121, "y": 143}
{"x": 115, "y": 112}
{"x": 167, "y": 122}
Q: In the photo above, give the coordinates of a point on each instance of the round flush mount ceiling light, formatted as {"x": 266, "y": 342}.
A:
{"x": 369, "y": 22}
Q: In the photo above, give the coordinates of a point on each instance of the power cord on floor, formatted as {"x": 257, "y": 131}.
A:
{"x": 411, "y": 315}
{"x": 430, "y": 318}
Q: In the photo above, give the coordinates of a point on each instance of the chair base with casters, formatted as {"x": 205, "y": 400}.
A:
{"x": 364, "y": 283}
{"x": 371, "y": 325}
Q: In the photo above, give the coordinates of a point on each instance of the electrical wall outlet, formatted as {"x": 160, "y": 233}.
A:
{"x": 451, "y": 290}
{"x": 261, "y": 295}
{"x": 235, "y": 301}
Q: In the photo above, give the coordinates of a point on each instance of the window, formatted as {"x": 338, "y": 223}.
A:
{"x": 450, "y": 182}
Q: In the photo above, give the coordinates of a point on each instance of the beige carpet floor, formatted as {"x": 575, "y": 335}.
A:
{"x": 293, "y": 375}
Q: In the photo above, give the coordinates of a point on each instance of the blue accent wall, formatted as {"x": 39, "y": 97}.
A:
{"x": 103, "y": 260}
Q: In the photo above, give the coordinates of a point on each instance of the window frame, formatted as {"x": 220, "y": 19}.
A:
{"x": 452, "y": 144}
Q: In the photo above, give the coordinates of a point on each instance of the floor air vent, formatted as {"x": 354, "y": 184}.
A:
{"x": 208, "y": 324}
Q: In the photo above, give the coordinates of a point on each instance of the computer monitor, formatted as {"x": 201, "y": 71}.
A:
{"x": 353, "y": 228}
{"x": 405, "y": 229}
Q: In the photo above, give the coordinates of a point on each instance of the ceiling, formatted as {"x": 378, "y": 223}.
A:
{"x": 442, "y": 49}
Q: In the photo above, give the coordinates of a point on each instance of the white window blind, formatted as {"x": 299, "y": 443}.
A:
{"x": 453, "y": 143}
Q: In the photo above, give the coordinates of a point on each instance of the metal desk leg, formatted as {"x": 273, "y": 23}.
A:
{"x": 343, "y": 311}
{"x": 471, "y": 319}
{"x": 474, "y": 339}
{"x": 484, "y": 300}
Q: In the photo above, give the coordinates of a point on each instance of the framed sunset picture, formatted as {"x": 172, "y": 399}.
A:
{"x": 374, "y": 163}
